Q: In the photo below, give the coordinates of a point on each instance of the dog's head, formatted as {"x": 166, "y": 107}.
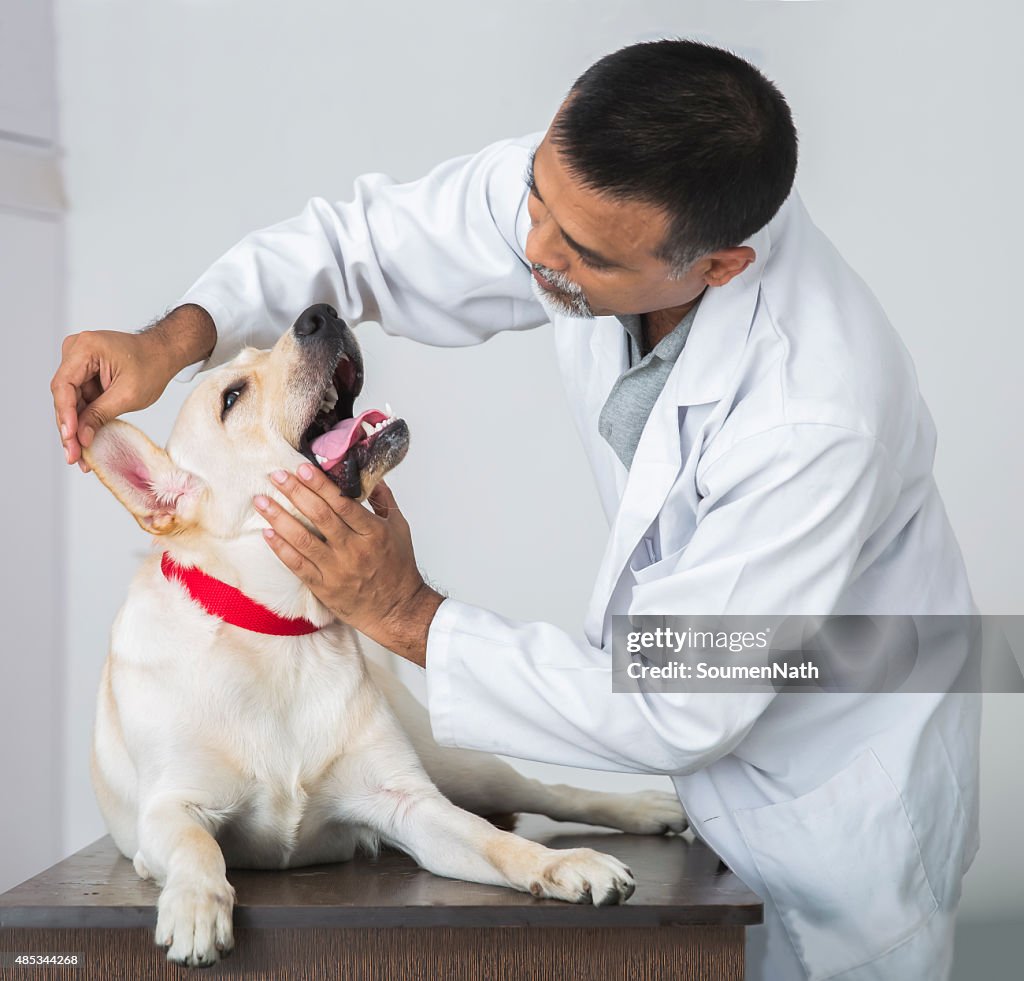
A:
{"x": 263, "y": 411}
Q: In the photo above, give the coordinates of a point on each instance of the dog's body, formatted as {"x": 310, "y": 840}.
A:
{"x": 218, "y": 746}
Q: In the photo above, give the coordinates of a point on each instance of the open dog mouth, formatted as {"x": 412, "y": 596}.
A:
{"x": 340, "y": 443}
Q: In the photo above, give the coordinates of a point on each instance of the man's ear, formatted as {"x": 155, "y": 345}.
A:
{"x": 728, "y": 263}
{"x": 161, "y": 496}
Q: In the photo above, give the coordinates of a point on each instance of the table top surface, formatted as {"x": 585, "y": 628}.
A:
{"x": 679, "y": 882}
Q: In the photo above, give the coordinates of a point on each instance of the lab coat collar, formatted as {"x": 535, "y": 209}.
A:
{"x": 719, "y": 334}
{"x": 701, "y": 375}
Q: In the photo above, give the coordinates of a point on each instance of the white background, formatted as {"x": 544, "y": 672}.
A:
{"x": 187, "y": 124}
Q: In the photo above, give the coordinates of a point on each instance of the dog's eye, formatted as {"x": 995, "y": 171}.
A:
{"x": 231, "y": 396}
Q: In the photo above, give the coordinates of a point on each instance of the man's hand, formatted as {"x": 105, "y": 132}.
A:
{"x": 364, "y": 570}
{"x": 104, "y": 373}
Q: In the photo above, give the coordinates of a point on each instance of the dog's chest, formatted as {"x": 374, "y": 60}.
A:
{"x": 283, "y": 812}
{"x": 286, "y": 740}
{"x": 291, "y": 777}
{"x": 281, "y": 728}
{"x": 257, "y": 724}
{"x": 278, "y": 815}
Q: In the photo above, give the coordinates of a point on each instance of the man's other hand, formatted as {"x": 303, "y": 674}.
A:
{"x": 104, "y": 373}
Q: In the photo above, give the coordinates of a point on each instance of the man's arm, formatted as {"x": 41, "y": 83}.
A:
{"x": 187, "y": 334}
{"x": 786, "y": 517}
{"x": 439, "y": 260}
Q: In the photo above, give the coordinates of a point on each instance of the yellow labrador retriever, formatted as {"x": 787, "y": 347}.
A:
{"x": 238, "y": 724}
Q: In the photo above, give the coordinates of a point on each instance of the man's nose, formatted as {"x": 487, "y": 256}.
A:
{"x": 320, "y": 319}
{"x": 543, "y": 247}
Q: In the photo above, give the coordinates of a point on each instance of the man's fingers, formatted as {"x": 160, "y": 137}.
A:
{"x": 100, "y": 411}
{"x": 293, "y": 542}
{"x": 313, "y": 479}
{"x": 294, "y": 559}
{"x": 314, "y": 506}
{"x": 101, "y": 375}
{"x": 95, "y": 416}
{"x": 290, "y": 527}
{"x": 72, "y": 383}
{"x": 91, "y": 389}
{"x": 383, "y": 501}
{"x": 67, "y": 422}
{"x": 65, "y": 403}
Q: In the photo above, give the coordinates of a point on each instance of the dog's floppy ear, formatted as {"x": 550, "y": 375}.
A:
{"x": 159, "y": 494}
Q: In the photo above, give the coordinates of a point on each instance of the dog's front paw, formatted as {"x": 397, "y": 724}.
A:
{"x": 648, "y": 812}
{"x": 194, "y": 920}
{"x": 581, "y": 875}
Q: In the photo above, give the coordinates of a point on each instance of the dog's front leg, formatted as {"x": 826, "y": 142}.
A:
{"x": 177, "y": 847}
{"x": 446, "y": 840}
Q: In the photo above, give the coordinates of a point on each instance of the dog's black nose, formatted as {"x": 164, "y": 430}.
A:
{"x": 316, "y": 319}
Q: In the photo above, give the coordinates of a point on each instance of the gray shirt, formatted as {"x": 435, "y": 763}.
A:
{"x": 633, "y": 395}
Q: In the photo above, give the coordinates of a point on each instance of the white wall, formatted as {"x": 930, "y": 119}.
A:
{"x": 190, "y": 123}
{"x": 31, "y": 586}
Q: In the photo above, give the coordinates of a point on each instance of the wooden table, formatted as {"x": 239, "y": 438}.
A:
{"x": 389, "y": 920}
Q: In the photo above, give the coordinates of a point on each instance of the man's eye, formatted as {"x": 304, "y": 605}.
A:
{"x": 590, "y": 264}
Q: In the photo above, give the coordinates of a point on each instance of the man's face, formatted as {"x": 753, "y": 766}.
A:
{"x": 594, "y": 256}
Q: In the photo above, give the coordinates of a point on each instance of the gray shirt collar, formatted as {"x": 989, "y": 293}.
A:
{"x": 632, "y": 397}
{"x": 668, "y": 348}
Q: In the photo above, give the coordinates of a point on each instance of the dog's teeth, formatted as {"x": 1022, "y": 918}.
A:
{"x": 367, "y": 428}
{"x": 320, "y": 459}
{"x": 329, "y": 400}
{"x": 389, "y": 410}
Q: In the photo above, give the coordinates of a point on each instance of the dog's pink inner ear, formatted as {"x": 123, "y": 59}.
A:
{"x": 125, "y": 463}
{"x": 137, "y": 475}
{"x": 151, "y": 494}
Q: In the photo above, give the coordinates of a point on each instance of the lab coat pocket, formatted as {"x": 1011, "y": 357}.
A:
{"x": 843, "y": 868}
{"x": 645, "y": 567}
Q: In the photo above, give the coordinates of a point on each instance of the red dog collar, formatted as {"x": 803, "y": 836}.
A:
{"x": 232, "y": 605}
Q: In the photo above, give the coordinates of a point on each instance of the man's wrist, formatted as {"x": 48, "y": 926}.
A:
{"x": 186, "y": 335}
{"x": 406, "y": 628}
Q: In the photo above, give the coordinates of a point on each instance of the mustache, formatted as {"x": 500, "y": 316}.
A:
{"x": 560, "y": 280}
{"x": 574, "y": 300}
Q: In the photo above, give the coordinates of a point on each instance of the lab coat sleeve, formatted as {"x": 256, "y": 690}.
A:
{"x": 439, "y": 260}
{"x": 784, "y": 519}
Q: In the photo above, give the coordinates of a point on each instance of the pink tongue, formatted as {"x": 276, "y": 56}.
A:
{"x": 336, "y": 442}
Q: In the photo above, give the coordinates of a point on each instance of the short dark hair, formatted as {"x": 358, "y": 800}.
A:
{"x": 690, "y": 128}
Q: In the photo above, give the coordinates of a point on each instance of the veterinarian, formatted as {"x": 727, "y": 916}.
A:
{"x": 760, "y": 445}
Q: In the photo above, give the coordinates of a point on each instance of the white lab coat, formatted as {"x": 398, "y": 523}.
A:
{"x": 785, "y": 468}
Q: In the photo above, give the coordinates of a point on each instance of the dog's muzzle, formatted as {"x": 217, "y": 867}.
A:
{"x": 340, "y": 443}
